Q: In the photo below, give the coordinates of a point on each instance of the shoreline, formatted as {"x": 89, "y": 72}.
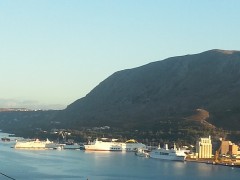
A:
{"x": 212, "y": 162}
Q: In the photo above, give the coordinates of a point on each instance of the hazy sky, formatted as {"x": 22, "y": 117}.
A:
{"x": 53, "y": 52}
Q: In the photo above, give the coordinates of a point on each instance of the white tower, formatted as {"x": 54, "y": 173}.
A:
{"x": 204, "y": 147}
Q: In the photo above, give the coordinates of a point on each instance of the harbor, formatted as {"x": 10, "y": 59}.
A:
{"x": 23, "y": 164}
{"x": 203, "y": 153}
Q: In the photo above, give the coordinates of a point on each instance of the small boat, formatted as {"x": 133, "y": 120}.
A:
{"x": 142, "y": 152}
{"x": 60, "y": 147}
{"x": 5, "y": 139}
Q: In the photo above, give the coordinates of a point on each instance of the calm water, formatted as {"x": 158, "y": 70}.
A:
{"x": 73, "y": 165}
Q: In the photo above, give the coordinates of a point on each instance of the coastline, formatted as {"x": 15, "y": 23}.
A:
{"x": 229, "y": 163}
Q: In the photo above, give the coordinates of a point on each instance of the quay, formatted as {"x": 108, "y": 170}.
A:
{"x": 227, "y": 162}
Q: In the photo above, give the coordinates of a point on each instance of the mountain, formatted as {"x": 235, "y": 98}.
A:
{"x": 177, "y": 99}
{"x": 164, "y": 94}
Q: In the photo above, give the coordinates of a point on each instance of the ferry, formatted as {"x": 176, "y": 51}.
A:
{"x": 168, "y": 154}
{"x": 35, "y": 144}
{"x": 113, "y": 145}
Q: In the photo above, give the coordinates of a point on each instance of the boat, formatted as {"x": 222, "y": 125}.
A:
{"x": 173, "y": 154}
{"x": 104, "y": 144}
{"x": 5, "y": 139}
{"x": 35, "y": 144}
{"x": 72, "y": 146}
{"x": 142, "y": 152}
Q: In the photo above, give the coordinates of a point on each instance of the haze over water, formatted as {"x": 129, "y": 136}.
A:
{"x": 74, "y": 164}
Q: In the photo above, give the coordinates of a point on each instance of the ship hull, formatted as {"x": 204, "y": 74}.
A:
{"x": 168, "y": 157}
{"x": 72, "y": 146}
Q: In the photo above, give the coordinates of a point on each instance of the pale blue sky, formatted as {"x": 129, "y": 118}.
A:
{"x": 53, "y": 52}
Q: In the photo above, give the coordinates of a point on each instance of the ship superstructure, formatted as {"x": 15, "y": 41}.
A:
{"x": 113, "y": 145}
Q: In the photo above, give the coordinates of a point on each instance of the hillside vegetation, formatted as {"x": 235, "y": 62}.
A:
{"x": 172, "y": 88}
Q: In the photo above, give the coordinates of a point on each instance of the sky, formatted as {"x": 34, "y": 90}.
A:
{"x": 53, "y": 52}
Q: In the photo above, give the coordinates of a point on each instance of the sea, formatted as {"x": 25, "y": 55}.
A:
{"x": 78, "y": 165}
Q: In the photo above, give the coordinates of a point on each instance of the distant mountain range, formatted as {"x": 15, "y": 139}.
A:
{"x": 13, "y": 109}
{"x": 172, "y": 89}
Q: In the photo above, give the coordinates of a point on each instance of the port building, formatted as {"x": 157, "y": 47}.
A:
{"x": 228, "y": 148}
{"x": 204, "y": 148}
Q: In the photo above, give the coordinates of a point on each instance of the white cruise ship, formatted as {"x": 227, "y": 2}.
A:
{"x": 168, "y": 154}
{"x": 113, "y": 145}
{"x": 35, "y": 144}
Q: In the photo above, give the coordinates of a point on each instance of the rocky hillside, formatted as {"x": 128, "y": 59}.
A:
{"x": 164, "y": 93}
